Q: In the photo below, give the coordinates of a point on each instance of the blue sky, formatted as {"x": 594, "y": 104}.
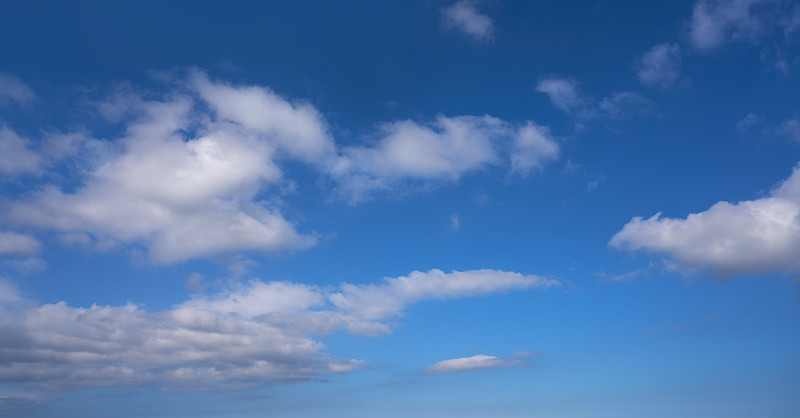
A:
{"x": 436, "y": 208}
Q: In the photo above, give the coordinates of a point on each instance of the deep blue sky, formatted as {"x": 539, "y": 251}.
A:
{"x": 364, "y": 209}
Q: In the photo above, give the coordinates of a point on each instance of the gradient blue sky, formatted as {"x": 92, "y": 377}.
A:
{"x": 393, "y": 209}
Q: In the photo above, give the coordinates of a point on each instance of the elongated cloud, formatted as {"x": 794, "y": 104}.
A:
{"x": 16, "y": 156}
{"x": 753, "y": 236}
{"x": 477, "y": 362}
{"x": 259, "y": 333}
{"x": 716, "y": 22}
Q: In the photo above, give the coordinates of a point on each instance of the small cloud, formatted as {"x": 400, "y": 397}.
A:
{"x": 477, "y": 362}
{"x": 455, "y": 222}
{"x": 660, "y": 66}
{"x": 464, "y": 16}
{"x": 594, "y": 183}
{"x": 563, "y": 93}
{"x": 745, "y": 124}
{"x": 13, "y": 89}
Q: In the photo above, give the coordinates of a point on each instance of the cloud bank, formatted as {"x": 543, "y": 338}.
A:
{"x": 256, "y": 334}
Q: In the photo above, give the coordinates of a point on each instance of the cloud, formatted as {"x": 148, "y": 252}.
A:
{"x": 444, "y": 150}
{"x": 533, "y": 148}
{"x": 455, "y": 222}
{"x": 254, "y": 334}
{"x": 716, "y": 22}
{"x": 16, "y": 157}
{"x": 477, "y": 362}
{"x": 563, "y": 93}
{"x": 464, "y": 16}
{"x": 182, "y": 195}
{"x": 16, "y": 244}
{"x": 660, "y": 66}
{"x": 753, "y": 236}
{"x": 198, "y": 170}
{"x": 13, "y": 89}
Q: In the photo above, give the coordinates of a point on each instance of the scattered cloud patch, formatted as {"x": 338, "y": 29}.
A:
{"x": 752, "y": 237}
{"x": 477, "y": 362}
{"x": 16, "y": 244}
{"x": 716, "y": 22}
{"x": 660, "y": 66}
{"x": 746, "y": 124}
{"x": 253, "y": 334}
{"x": 564, "y": 93}
{"x": 455, "y": 222}
{"x": 533, "y": 148}
{"x": 16, "y": 156}
{"x": 14, "y": 90}
{"x": 465, "y": 17}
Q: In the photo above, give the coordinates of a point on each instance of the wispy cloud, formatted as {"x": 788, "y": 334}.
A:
{"x": 14, "y": 90}
{"x": 464, "y": 16}
{"x": 660, "y": 66}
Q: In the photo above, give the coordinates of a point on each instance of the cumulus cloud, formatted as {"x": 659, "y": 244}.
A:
{"x": 660, "y": 66}
{"x": 13, "y": 89}
{"x": 444, "y": 150}
{"x": 533, "y": 148}
{"x": 198, "y": 169}
{"x": 753, "y": 236}
{"x": 477, "y": 362}
{"x": 716, "y": 22}
{"x": 258, "y": 333}
{"x": 16, "y": 157}
{"x": 464, "y": 16}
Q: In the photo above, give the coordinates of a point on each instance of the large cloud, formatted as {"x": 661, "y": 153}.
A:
{"x": 259, "y": 333}
{"x": 198, "y": 169}
{"x": 753, "y": 236}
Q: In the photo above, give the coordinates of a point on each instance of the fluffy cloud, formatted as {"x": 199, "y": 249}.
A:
{"x": 753, "y": 236}
{"x": 12, "y": 89}
{"x": 188, "y": 176}
{"x": 444, "y": 150}
{"x": 660, "y": 66}
{"x": 715, "y": 22}
{"x": 477, "y": 362}
{"x": 256, "y": 334}
{"x": 16, "y": 157}
{"x": 464, "y": 16}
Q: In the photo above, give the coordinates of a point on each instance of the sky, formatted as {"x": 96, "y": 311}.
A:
{"x": 432, "y": 208}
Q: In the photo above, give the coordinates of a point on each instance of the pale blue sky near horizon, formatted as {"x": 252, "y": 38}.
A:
{"x": 433, "y": 208}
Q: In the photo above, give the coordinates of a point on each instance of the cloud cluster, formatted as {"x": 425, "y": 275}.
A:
{"x": 188, "y": 177}
{"x": 716, "y": 22}
{"x": 259, "y": 333}
{"x": 753, "y": 236}
{"x": 464, "y": 16}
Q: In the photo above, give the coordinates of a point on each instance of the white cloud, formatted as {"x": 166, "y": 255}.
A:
{"x": 464, "y": 16}
{"x": 563, "y": 92}
{"x": 753, "y": 236}
{"x": 715, "y": 22}
{"x": 455, "y": 222}
{"x": 660, "y": 66}
{"x": 533, "y": 148}
{"x": 255, "y": 334}
{"x": 13, "y": 89}
{"x": 477, "y": 362}
{"x": 16, "y": 157}
{"x": 443, "y": 150}
{"x": 198, "y": 170}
